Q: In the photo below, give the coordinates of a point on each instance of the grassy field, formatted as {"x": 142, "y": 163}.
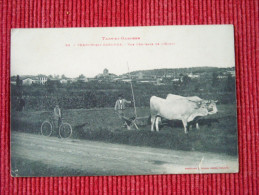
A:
{"x": 104, "y": 125}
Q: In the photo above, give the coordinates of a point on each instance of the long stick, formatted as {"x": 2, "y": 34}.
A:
{"x": 133, "y": 97}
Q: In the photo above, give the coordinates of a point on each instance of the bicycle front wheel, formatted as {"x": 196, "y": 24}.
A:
{"x": 65, "y": 130}
{"x": 46, "y": 128}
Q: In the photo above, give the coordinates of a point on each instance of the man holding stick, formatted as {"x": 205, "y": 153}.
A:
{"x": 120, "y": 107}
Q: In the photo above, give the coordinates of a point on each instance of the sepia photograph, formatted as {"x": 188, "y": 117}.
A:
{"x": 123, "y": 101}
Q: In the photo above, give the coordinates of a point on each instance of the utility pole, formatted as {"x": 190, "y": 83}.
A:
{"x": 133, "y": 97}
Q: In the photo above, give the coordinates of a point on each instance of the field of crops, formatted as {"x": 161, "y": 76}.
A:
{"x": 103, "y": 124}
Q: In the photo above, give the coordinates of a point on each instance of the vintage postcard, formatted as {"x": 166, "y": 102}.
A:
{"x": 123, "y": 101}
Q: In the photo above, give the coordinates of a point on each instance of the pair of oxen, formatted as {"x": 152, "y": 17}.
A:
{"x": 187, "y": 109}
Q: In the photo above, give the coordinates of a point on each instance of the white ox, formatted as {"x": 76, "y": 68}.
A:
{"x": 179, "y": 108}
{"x": 210, "y": 104}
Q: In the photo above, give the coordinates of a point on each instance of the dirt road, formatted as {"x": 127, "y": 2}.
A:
{"x": 98, "y": 158}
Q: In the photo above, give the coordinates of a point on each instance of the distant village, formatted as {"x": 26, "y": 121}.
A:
{"x": 159, "y": 77}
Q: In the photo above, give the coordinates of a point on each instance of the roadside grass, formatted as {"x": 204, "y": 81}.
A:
{"x": 218, "y": 135}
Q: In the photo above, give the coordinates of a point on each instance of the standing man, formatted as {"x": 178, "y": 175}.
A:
{"x": 120, "y": 105}
{"x": 57, "y": 116}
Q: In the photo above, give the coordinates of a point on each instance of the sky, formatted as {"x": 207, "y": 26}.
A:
{"x": 88, "y": 51}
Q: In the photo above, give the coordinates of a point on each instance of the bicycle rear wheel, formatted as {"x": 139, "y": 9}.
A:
{"x": 65, "y": 130}
{"x": 46, "y": 128}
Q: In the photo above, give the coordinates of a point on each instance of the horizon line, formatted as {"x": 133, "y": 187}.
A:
{"x": 124, "y": 73}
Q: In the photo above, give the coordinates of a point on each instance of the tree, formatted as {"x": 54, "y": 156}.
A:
{"x": 214, "y": 79}
{"x": 18, "y": 81}
{"x": 81, "y": 76}
{"x": 52, "y": 85}
{"x": 186, "y": 80}
{"x": 230, "y": 83}
{"x": 18, "y": 86}
{"x": 56, "y": 76}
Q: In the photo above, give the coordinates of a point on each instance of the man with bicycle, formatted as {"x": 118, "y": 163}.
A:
{"x": 63, "y": 129}
{"x": 57, "y": 116}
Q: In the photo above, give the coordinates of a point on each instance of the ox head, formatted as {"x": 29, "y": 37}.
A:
{"x": 209, "y": 105}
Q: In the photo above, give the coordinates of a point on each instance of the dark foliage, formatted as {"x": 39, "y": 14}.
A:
{"x": 103, "y": 93}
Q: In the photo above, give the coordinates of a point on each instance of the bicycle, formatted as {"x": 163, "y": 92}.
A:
{"x": 65, "y": 129}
